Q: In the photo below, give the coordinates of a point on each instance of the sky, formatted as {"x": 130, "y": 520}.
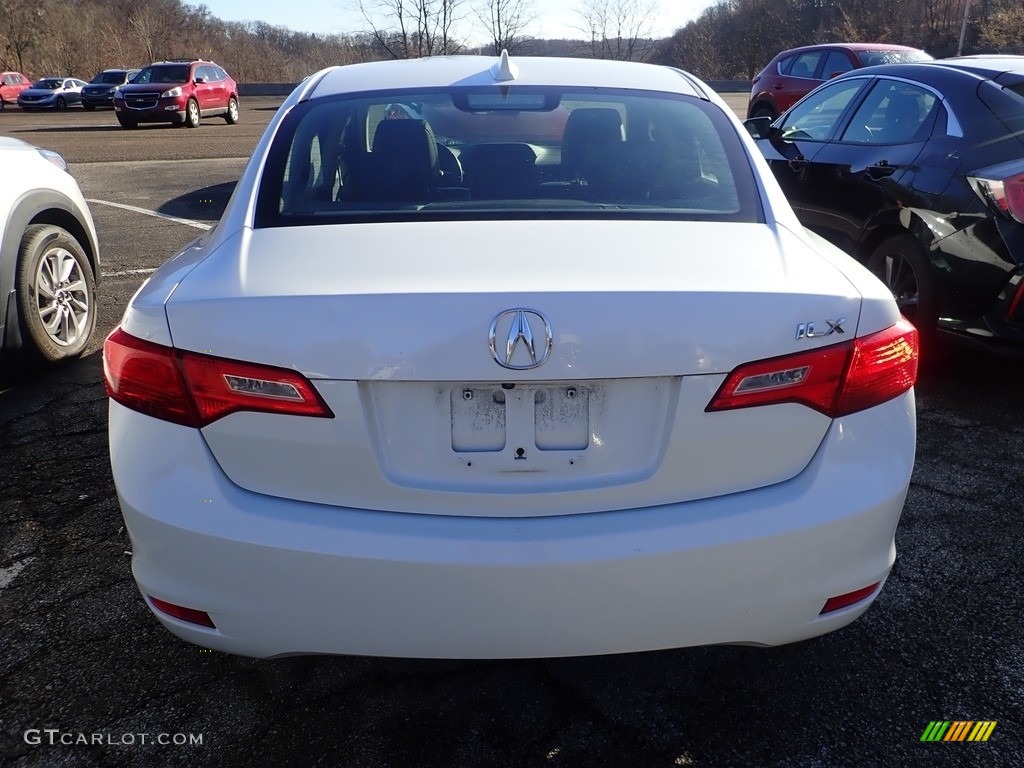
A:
{"x": 555, "y": 18}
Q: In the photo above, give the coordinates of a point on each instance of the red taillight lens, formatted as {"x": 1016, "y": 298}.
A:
{"x": 1004, "y": 194}
{"x": 842, "y": 601}
{"x": 883, "y": 366}
{"x": 194, "y": 390}
{"x": 836, "y": 380}
{"x": 145, "y": 377}
{"x": 1014, "y": 313}
{"x": 191, "y": 615}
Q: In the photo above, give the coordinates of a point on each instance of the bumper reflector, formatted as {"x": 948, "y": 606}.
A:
{"x": 185, "y": 614}
{"x": 842, "y": 601}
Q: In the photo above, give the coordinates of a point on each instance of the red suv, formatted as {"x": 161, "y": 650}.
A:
{"x": 794, "y": 73}
{"x": 181, "y": 92}
{"x": 11, "y": 84}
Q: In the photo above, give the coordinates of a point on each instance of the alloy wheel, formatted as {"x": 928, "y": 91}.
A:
{"x": 62, "y": 297}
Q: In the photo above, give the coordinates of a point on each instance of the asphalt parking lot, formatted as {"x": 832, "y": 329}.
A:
{"x": 89, "y": 678}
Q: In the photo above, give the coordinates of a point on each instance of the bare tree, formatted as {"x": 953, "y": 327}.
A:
{"x": 21, "y": 27}
{"x": 619, "y": 29}
{"x": 1004, "y": 30}
{"x": 409, "y": 29}
{"x": 505, "y": 22}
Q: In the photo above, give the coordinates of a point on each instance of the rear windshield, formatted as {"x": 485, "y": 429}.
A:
{"x": 505, "y": 153}
{"x": 873, "y": 58}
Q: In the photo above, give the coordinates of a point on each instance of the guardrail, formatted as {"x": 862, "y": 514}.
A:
{"x": 283, "y": 89}
{"x": 730, "y": 86}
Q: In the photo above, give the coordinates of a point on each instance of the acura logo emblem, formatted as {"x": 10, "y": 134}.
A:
{"x": 520, "y": 339}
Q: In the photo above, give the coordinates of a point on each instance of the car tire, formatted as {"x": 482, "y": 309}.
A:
{"x": 127, "y": 122}
{"x": 88, "y": 107}
{"x": 192, "y": 114}
{"x": 56, "y": 293}
{"x": 60, "y": 105}
{"x": 901, "y": 263}
{"x": 231, "y": 116}
{"x": 763, "y": 110}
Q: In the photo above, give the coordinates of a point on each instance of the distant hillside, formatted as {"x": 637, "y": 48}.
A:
{"x": 81, "y": 37}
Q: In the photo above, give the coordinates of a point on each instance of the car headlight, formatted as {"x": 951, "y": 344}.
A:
{"x": 171, "y": 93}
{"x": 118, "y": 93}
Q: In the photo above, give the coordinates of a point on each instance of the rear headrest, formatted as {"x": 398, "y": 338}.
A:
{"x": 404, "y": 158}
{"x": 586, "y": 132}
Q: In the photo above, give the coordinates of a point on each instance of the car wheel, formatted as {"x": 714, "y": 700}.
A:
{"x": 60, "y": 105}
{"x": 88, "y": 107}
{"x": 127, "y": 122}
{"x": 56, "y": 293}
{"x": 902, "y": 265}
{"x": 232, "y": 114}
{"x": 763, "y": 110}
{"x": 192, "y": 114}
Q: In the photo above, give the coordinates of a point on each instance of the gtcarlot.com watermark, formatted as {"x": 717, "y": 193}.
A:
{"x": 54, "y": 737}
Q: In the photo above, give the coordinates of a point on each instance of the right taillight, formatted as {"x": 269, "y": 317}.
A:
{"x": 835, "y": 380}
{"x": 1002, "y": 189}
{"x": 194, "y": 390}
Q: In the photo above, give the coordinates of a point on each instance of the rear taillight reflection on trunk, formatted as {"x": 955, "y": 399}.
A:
{"x": 835, "y": 380}
{"x": 194, "y": 390}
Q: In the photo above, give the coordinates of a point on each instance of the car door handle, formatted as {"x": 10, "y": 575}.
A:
{"x": 881, "y": 169}
{"x": 777, "y": 86}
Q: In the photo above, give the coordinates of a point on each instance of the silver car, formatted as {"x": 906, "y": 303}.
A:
{"x": 52, "y": 93}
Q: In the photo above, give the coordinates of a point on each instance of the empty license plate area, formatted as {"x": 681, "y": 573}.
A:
{"x": 493, "y": 437}
{"x": 520, "y": 418}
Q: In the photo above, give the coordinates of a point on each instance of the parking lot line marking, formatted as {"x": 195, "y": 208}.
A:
{"x": 157, "y": 214}
{"x": 7, "y": 575}
{"x": 126, "y": 272}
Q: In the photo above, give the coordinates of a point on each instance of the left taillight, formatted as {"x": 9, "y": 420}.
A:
{"x": 1002, "y": 188}
{"x": 195, "y": 390}
{"x": 836, "y": 380}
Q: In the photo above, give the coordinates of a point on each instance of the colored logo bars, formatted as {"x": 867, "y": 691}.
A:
{"x": 958, "y": 730}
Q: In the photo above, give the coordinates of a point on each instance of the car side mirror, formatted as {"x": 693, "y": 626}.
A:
{"x": 200, "y": 80}
{"x": 760, "y": 127}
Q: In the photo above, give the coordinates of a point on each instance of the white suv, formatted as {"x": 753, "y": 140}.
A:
{"x": 49, "y": 256}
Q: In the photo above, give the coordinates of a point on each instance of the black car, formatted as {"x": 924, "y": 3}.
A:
{"x": 917, "y": 170}
{"x": 100, "y": 90}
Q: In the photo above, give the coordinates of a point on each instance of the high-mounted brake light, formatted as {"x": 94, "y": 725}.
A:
{"x": 836, "y": 380}
{"x": 1003, "y": 193}
{"x": 195, "y": 390}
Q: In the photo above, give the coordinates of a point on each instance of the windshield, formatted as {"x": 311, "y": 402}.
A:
{"x": 48, "y": 83}
{"x": 163, "y": 74}
{"x": 109, "y": 78}
{"x": 506, "y": 152}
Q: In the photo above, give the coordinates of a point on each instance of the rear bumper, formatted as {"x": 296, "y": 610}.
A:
{"x": 281, "y": 577}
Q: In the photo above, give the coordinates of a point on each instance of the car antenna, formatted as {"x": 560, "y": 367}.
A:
{"x": 504, "y": 69}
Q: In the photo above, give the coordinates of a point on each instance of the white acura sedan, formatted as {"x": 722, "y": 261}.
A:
{"x": 495, "y": 358}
